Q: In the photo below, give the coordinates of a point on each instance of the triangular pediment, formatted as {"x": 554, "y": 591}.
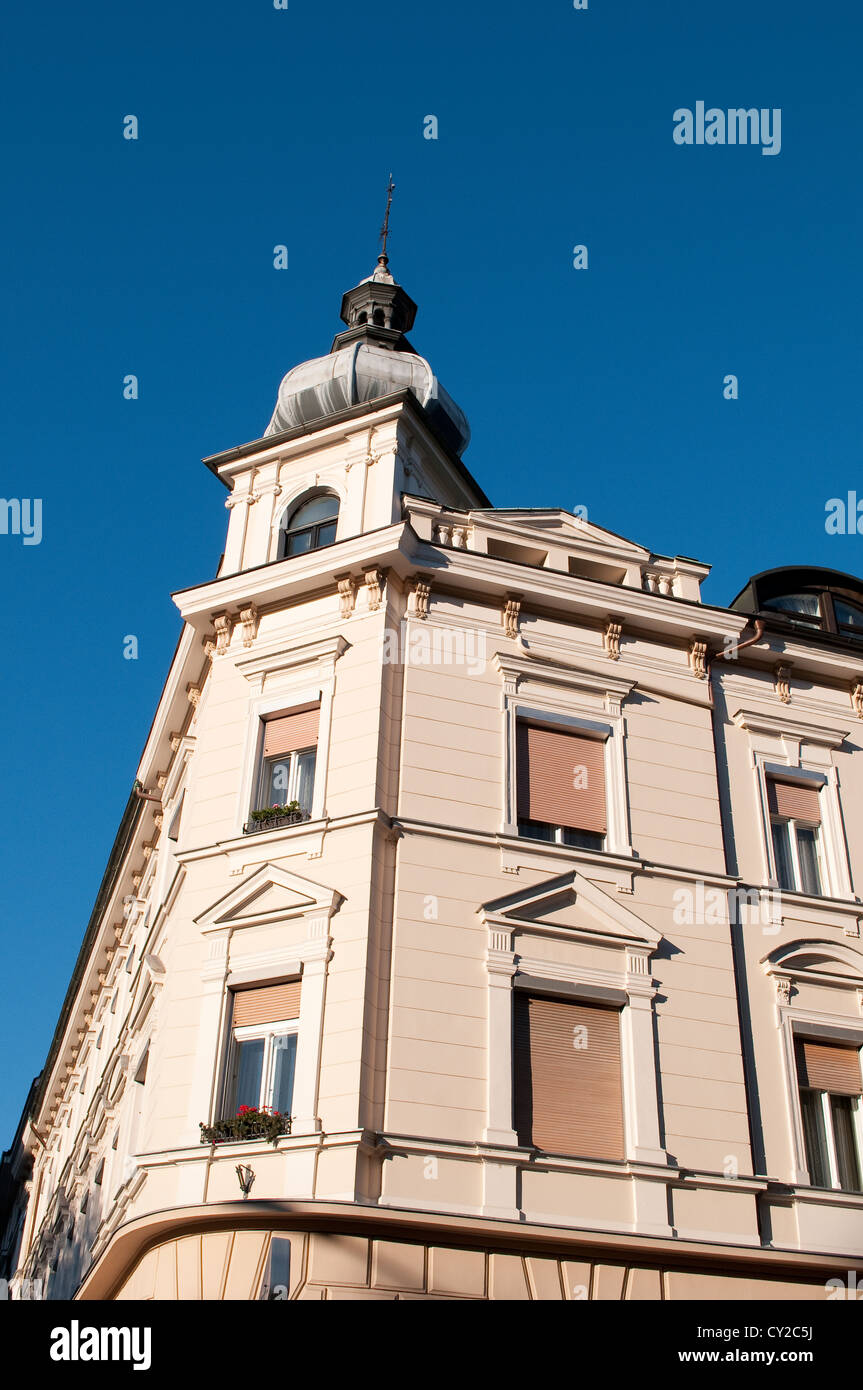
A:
{"x": 554, "y": 523}
{"x": 573, "y": 904}
{"x": 270, "y": 894}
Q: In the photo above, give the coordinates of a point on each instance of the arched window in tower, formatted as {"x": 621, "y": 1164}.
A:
{"x": 311, "y": 525}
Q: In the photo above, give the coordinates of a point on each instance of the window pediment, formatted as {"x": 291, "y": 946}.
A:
{"x": 820, "y": 962}
{"x": 309, "y": 658}
{"x": 271, "y": 894}
{"x": 572, "y": 906}
{"x": 779, "y": 725}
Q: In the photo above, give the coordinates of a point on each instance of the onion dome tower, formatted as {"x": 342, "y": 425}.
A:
{"x": 371, "y": 358}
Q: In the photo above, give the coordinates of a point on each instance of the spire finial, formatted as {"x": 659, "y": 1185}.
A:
{"x": 383, "y": 258}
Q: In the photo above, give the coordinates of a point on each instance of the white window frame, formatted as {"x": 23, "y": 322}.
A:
{"x": 558, "y": 832}
{"x": 629, "y": 974}
{"x": 304, "y": 492}
{"x": 296, "y": 675}
{"x": 581, "y": 704}
{"x": 293, "y": 774}
{"x": 640, "y": 1095}
{"x": 289, "y": 1027}
{"x": 792, "y": 751}
{"x": 232, "y": 964}
{"x": 589, "y": 729}
{"x": 829, "y": 847}
{"x": 801, "y": 1023}
{"x": 253, "y": 755}
{"x": 830, "y": 1138}
{"x": 794, "y": 850}
{"x": 637, "y": 1056}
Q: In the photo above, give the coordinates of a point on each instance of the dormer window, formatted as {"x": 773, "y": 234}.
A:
{"x": 796, "y": 607}
{"x": 849, "y": 618}
{"x": 824, "y": 611}
{"x": 311, "y": 525}
{"x": 811, "y": 601}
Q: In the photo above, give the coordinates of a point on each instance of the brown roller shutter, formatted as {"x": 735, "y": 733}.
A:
{"x": 266, "y": 1004}
{"x": 285, "y": 733}
{"x": 568, "y": 1099}
{"x": 829, "y": 1066}
{"x": 794, "y": 801}
{"x": 561, "y": 778}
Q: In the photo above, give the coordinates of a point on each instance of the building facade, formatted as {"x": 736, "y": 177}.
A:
{"x": 484, "y": 920}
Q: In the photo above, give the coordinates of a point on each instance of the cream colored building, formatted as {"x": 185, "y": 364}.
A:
{"x": 555, "y": 967}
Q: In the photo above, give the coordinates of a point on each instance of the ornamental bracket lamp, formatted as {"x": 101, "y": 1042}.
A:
{"x": 245, "y": 1177}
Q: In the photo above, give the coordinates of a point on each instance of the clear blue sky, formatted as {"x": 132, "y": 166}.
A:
{"x": 602, "y": 387}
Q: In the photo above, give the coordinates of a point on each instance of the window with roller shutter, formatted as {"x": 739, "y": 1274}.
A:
{"x": 795, "y": 827}
{"x": 831, "y": 1084}
{"x": 264, "y": 1025}
{"x": 561, "y": 795}
{"x": 568, "y": 1083}
{"x": 288, "y": 760}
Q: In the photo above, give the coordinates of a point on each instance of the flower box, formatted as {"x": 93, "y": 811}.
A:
{"x": 248, "y": 1123}
{"x": 274, "y": 817}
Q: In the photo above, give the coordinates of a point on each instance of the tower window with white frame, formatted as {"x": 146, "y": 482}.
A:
{"x": 830, "y": 1087}
{"x": 310, "y": 526}
{"x": 795, "y": 828}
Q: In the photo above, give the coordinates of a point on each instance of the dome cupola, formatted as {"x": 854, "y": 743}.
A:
{"x": 369, "y": 359}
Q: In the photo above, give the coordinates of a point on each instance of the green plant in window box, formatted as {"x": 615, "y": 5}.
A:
{"x": 291, "y": 811}
{"x": 250, "y": 1122}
